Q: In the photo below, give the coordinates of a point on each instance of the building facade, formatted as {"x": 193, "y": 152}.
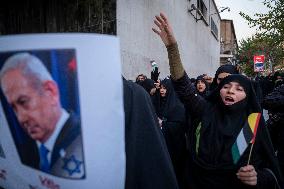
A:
{"x": 228, "y": 42}
{"x": 196, "y": 24}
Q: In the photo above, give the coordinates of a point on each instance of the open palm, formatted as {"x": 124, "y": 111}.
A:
{"x": 165, "y": 30}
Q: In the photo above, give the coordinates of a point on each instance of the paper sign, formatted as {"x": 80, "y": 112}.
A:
{"x": 258, "y": 63}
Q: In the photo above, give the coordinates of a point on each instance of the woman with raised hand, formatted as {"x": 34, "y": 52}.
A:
{"x": 225, "y": 149}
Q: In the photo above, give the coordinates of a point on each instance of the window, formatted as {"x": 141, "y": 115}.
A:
{"x": 202, "y": 7}
{"x": 214, "y": 28}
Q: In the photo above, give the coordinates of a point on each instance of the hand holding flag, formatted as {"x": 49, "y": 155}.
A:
{"x": 247, "y": 175}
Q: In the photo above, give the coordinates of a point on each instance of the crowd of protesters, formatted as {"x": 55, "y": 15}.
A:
{"x": 214, "y": 129}
{"x": 203, "y": 132}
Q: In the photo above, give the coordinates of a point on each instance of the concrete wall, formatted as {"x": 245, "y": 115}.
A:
{"x": 199, "y": 49}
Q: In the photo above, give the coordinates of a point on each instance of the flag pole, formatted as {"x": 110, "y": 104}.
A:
{"x": 250, "y": 153}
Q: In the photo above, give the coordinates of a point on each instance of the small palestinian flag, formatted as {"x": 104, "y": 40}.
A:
{"x": 246, "y": 136}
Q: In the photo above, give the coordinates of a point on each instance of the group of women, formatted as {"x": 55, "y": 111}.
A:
{"x": 229, "y": 146}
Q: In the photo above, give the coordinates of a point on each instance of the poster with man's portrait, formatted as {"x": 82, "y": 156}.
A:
{"x": 57, "y": 122}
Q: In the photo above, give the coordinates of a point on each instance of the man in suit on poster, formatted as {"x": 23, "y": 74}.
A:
{"x": 34, "y": 97}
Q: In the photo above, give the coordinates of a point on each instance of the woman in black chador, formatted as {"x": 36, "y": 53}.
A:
{"x": 169, "y": 108}
{"x": 171, "y": 115}
{"x": 222, "y": 139}
{"x": 148, "y": 165}
{"x": 202, "y": 86}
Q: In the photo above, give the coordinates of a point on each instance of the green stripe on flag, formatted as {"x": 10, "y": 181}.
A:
{"x": 245, "y": 136}
{"x": 235, "y": 153}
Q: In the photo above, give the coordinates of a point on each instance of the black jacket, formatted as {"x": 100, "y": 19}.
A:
{"x": 274, "y": 103}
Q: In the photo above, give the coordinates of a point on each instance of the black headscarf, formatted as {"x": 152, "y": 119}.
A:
{"x": 170, "y": 107}
{"x": 205, "y": 92}
{"x": 227, "y": 68}
{"x": 247, "y": 84}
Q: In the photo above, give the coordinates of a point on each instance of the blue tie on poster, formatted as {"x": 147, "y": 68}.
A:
{"x": 44, "y": 165}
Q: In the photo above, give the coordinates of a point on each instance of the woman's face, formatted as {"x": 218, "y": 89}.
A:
{"x": 163, "y": 91}
{"x": 221, "y": 76}
{"x": 232, "y": 93}
{"x": 200, "y": 86}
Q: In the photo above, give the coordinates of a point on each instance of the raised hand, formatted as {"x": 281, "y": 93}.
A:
{"x": 155, "y": 74}
{"x": 165, "y": 30}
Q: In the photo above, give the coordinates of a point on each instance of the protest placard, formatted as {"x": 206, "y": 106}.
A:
{"x": 61, "y": 112}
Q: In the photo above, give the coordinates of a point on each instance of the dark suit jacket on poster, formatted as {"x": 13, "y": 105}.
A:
{"x": 67, "y": 159}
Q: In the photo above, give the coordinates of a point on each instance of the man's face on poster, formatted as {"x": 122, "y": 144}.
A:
{"x": 34, "y": 104}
